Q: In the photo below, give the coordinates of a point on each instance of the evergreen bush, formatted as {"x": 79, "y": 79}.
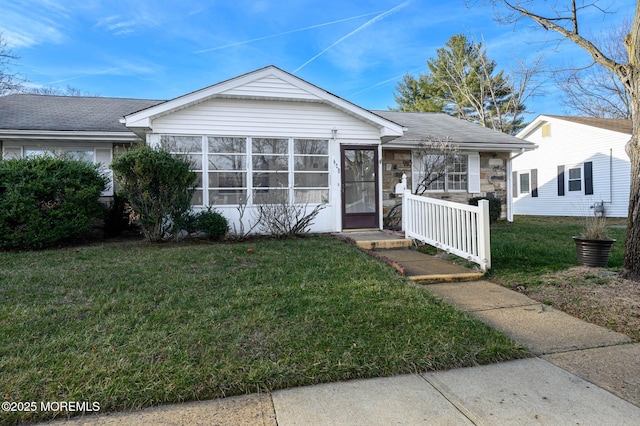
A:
{"x": 159, "y": 187}
{"x": 495, "y": 207}
{"x": 213, "y": 224}
{"x": 47, "y": 199}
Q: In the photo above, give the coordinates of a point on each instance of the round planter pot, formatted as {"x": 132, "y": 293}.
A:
{"x": 593, "y": 252}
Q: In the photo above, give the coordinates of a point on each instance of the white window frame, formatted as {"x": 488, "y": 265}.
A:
{"x": 22, "y": 151}
{"x": 569, "y": 180}
{"x": 472, "y": 174}
{"x": 520, "y": 188}
{"x": 290, "y": 172}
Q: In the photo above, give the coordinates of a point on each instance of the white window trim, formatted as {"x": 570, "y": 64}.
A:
{"x": 473, "y": 175}
{"x": 520, "y": 190}
{"x": 60, "y": 148}
{"x": 249, "y": 166}
{"x": 567, "y": 179}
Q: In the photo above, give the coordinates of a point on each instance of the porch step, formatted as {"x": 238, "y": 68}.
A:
{"x": 419, "y": 267}
{"x": 375, "y": 239}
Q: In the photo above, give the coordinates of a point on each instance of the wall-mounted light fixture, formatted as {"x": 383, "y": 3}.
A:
{"x": 334, "y": 133}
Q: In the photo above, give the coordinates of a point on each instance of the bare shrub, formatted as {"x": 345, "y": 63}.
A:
{"x": 281, "y": 219}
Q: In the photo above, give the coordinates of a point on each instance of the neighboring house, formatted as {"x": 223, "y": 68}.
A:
{"x": 263, "y": 133}
{"x": 580, "y": 165}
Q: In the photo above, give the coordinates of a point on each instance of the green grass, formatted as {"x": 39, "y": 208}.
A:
{"x": 131, "y": 325}
{"x": 534, "y": 245}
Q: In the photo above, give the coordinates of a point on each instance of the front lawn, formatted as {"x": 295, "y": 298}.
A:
{"x": 130, "y": 325}
{"x": 534, "y": 245}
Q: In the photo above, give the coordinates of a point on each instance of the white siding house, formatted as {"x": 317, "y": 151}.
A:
{"x": 257, "y": 135}
{"x": 580, "y": 165}
{"x": 269, "y": 134}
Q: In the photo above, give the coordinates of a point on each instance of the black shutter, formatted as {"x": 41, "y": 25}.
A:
{"x": 514, "y": 183}
{"x": 534, "y": 182}
{"x": 588, "y": 178}
{"x": 560, "y": 181}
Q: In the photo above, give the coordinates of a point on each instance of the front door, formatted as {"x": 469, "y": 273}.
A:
{"x": 359, "y": 187}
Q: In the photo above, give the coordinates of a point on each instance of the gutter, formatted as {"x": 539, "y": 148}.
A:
{"x": 73, "y": 135}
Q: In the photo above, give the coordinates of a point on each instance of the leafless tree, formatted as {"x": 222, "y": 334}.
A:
{"x": 596, "y": 91}
{"x": 9, "y": 81}
{"x": 564, "y": 17}
{"x": 433, "y": 159}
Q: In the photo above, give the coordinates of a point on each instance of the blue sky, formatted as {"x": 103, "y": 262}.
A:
{"x": 358, "y": 50}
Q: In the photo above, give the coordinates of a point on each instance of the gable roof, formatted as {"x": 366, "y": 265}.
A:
{"x": 422, "y": 126}
{"x": 269, "y": 83}
{"x": 611, "y": 124}
{"x": 615, "y": 125}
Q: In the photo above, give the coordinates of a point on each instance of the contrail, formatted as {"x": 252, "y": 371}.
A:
{"x": 389, "y": 80}
{"x": 240, "y": 43}
{"x": 357, "y": 30}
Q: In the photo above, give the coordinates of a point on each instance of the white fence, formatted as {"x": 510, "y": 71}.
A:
{"x": 459, "y": 229}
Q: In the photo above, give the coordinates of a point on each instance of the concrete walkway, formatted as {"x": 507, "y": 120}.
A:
{"x": 582, "y": 374}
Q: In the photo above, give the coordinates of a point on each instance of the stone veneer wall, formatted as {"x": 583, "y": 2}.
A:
{"x": 493, "y": 175}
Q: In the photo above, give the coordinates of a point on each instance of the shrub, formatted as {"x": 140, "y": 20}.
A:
{"x": 159, "y": 187}
{"x": 495, "y": 207}
{"x": 212, "y": 223}
{"x": 280, "y": 219}
{"x": 44, "y": 200}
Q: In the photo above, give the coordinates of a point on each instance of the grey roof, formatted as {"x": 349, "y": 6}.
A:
{"x": 424, "y": 125}
{"x": 67, "y": 113}
{"x": 97, "y": 114}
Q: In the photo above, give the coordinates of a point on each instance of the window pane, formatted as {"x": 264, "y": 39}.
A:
{"x": 270, "y": 162}
{"x": 196, "y": 161}
{"x": 575, "y": 179}
{"x": 311, "y": 196}
{"x": 311, "y": 146}
{"x": 360, "y": 197}
{"x": 271, "y": 196}
{"x": 269, "y": 146}
{"x": 196, "y": 200}
{"x": 575, "y": 173}
{"x": 575, "y": 185}
{"x": 435, "y": 182}
{"x": 227, "y": 196}
{"x": 524, "y": 183}
{"x": 227, "y": 162}
{"x": 227, "y": 145}
{"x": 84, "y": 156}
{"x": 359, "y": 165}
{"x": 198, "y": 182}
{"x": 273, "y": 180}
{"x": 227, "y": 180}
{"x": 181, "y": 143}
{"x": 37, "y": 152}
{"x": 458, "y": 182}
{"x": 311, "y": 180}
{"x": 312, "y": 163}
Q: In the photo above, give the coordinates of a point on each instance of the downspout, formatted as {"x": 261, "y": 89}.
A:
{"x": 611, "y": 176}
{"x": 510, "y": 184}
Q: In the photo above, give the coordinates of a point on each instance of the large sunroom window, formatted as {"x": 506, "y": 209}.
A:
{"x": 227, "y": 170}
{"x": 311, "y": 171}
{"x": 191, "y": 148}
{"x": 233, "y": 170}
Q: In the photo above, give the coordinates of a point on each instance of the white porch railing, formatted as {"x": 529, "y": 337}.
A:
{"x": 459, "y": 229}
